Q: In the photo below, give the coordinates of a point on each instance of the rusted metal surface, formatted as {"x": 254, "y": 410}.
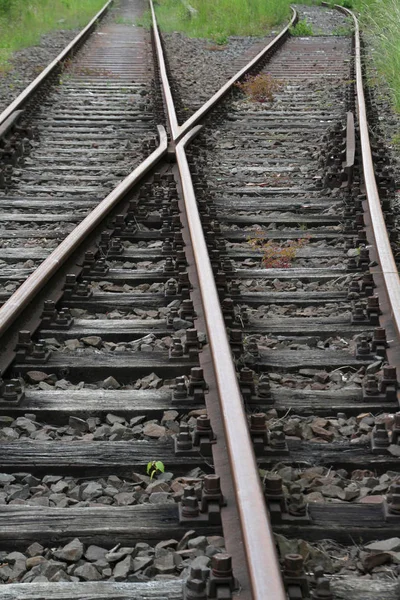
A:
{"x": 387, "y": 266}
{"x": 28, "y": 91}
{"x": 169, "y": 102}
{"x": 263, "y": 566}
{"x": 31, "y": 287}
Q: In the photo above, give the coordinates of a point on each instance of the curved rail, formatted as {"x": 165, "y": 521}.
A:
{"x": 262, "y": 561}
{"x": 20, "y": 100}
{"x": 35, "y": 282}
{"x": 178, "y": 131}
{"x": 383, "y": 249}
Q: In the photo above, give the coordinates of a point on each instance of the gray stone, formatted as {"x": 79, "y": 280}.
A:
{"x": 35, "y": 549}
{"x": 78, "y": 425}
{"x": 200, "y": 542}
{"x": 141, "y": 562}
{"x": 161, "y": 498}
{"x": 91, "y": 491}
{"x": 72, "y": 552}
{"x": 119, "y": 554}
{"x": 165, "y": 564}
{"x": 122, "y": 569}
{"x": 153, "y": 430}
{"x": 111, "y": 383}
{"x": 95, "y": 553}
{"x": 93, "y": 340}
{"x": 389, "y": 545}
{"x": 87, "y": 572}
{"x": 5, "y": 478}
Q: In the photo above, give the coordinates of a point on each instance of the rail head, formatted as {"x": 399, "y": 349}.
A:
{"x": 35, "y": 282}
{"x": 262, "y": 561}
{"x": 387, "y": 264}
{"x": 28, "y": 92}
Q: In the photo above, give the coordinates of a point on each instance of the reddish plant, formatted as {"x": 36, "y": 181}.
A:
{"x": 276, "y": 255}
{"x": 260, "y": 88}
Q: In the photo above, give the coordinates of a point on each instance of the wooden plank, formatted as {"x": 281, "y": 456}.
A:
{"x": 102, "y": 301}
{"x": 291, "y": 360}
{"x": 101, "y": 525}
{"x": 125, "y": 367}
{"x": 297, "y": 298}
{"x": 91, "y": 458}
{"x": 326, "y": 402}
{"x": 110, "y": 329}
{"x": 95, "y": 590}
{"x": 305, "y": 274}
{"x": 358, "y": 588}
{"x": 57, "y": 405}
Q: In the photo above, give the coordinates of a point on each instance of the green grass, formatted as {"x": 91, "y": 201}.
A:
{"x": 302, "y": 29}
{"x": 218, "y": 19}
{"x": 381, "y": 18}
{"x": 23, "y": 22}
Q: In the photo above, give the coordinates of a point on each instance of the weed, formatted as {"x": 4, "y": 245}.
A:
{"x": 260, "y": 88}
{"x": 154, "y": 468}
{"x": 275, "y": 255}
{"x": 220, "y": 39}
{"x": 302, "y": 29}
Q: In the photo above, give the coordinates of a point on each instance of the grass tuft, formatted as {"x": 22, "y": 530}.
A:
{"x": 302, "y": 29}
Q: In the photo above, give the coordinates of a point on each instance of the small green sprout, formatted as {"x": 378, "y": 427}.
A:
{"x": 155, "y": 467}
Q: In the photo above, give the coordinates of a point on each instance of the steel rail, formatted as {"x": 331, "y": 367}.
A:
{"x": 20, "y": 100}
{"x": 383, "y": 249}
{"x": 171, "y": 112}
{"x": 178, "y": 131}
{"x": 262, "y": 561}
{"x": 35, "y": 282}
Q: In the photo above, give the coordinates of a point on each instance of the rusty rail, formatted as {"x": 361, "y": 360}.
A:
{"x": 262, "y": 561}
{"x": 35, "y": 282}
{"x": 178, "y": 131}
{"x": 24, "y": 96}
{"x": 387, "y": 264}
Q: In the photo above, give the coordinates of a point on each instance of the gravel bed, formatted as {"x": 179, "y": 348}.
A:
{"x": 27, "y": 64}
{"x": 291, "y": 310}
{"x": 316, "y": 379}
{"x": 149, "y": 382}
{"x": 356, "y": 430}
{"x": 324, "y": 21}
{"x": 55, "y": 491}
{"x": 319, "y": 484}
{"x": 112, "y": 428}
{"x": 75, "y": 561}
{"x": 375, "y": 560}
{"x": 200, "y": 67}
{"x": 267, "y": 342}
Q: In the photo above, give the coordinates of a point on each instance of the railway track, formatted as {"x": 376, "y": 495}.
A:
{"x": 211, "y": 355}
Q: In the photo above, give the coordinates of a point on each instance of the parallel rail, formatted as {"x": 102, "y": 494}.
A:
{"x": 29, "y": 91}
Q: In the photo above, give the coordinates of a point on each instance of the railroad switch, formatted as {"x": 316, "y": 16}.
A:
{"x": 11, "y": 391}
